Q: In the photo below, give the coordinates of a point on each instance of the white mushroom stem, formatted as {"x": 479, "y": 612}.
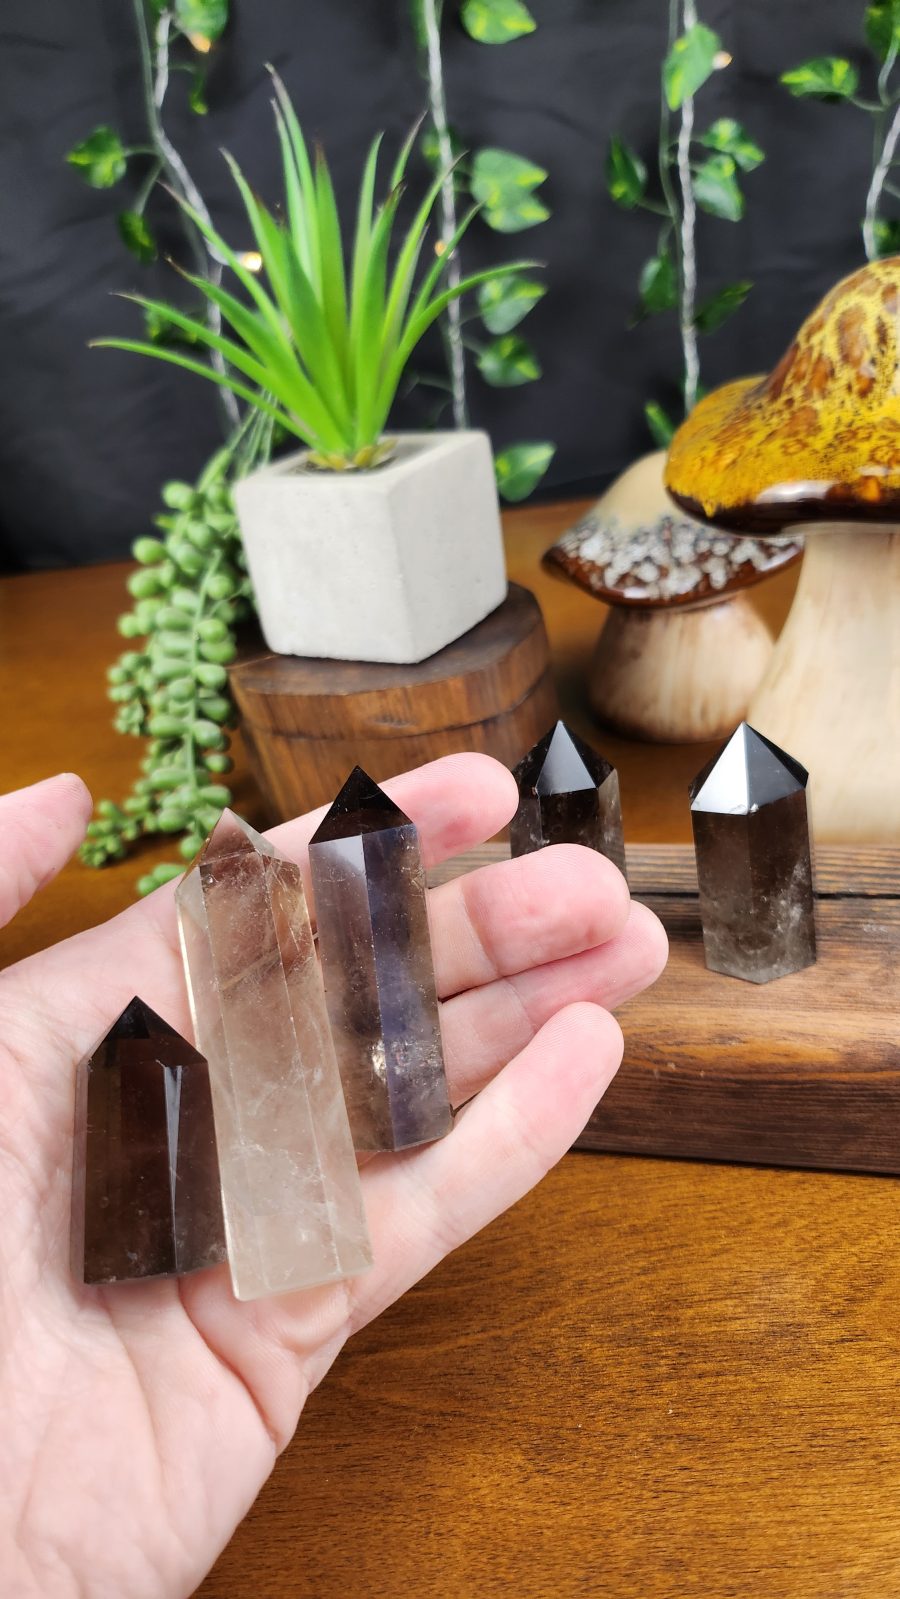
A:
{"x": 677, "y": 675}
{"x": 831, "y": 695}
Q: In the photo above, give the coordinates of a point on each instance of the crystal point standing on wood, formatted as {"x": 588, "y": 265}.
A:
{"x": 145, "y": 1194}
{"x": 754, "y": 867}
{"x": 290, "y": 1186}
{"x": 568, "y": 794}
{"x": 372, "y": 917}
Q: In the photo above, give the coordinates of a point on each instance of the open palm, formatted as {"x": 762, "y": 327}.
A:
{"x": 139, "y": 1421}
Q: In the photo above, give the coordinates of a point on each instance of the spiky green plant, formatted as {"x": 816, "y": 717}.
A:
{"x": 324, "y": 345}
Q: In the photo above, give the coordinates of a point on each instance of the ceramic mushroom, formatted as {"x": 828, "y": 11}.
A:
{"x": 815, "y": 447}
{"x": 682, "y": 648}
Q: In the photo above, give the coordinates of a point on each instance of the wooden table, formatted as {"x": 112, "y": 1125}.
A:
{"x": 651, "y": 1380}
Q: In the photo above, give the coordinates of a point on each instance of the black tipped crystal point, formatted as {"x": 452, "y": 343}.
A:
{"x": 360, "y": 807}
{"x": 748, "y": 771}
{"x": 568, "y": 794}
{"x": 561, "y": 763}
{"x": 754, "y": 862}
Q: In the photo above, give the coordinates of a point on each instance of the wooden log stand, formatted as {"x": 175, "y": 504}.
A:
{"x": 307, "y": 723}
{"x": 804, "y": 1071}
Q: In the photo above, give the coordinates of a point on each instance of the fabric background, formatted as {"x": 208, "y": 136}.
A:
{"x": 87, "y": 437}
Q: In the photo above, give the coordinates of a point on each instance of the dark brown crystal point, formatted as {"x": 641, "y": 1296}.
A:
{"x": 145, "y": 1185}
{"x": 754, "y": 866}
{"x": 568, "y": 794}
{"x": 369, "y": 885}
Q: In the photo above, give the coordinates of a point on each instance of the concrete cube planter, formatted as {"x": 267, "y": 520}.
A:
{"x": 386, "y": 565}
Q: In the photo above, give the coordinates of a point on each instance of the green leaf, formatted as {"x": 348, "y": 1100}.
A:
{"x": 824, "y": 78}
{"x": 689, "y": 63}
{"x": 508, "y": 361}
{"x": 719, "y": 307}
{"x": 662, "y": 428}
{"x": 626, "y": 174}
{"x": 520, "y": 468}
{"x": 100, "y": 158}
{"x": 658, "y": 284}
{"x": 197, "y": 95}
{"x": 887, "y": 236}
{"x": 716, "y": 188}
{"x": 208, "y": 18}
{"x": 496, "y": 21}
{"x": 159, "y": 330}
{"x": 729, "y": 137}
{"x": 883, "y": 27}
{"x": 504, "y": 185}
{"x": 505, "y": 301}
{"x": 136, "y": 235}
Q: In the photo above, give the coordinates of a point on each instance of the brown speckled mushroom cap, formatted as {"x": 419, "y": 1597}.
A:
{"x": 817, "y": 440}
{"x": 634, "y": 548}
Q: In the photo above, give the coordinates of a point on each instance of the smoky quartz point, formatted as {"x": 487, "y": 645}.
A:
{"x": 754, "y": 864}
{"x": 145, "y": 1187}
{"x": 372, "y": 917}
{"x": 291, "y": 1193}
{"x": 568, "y": 794}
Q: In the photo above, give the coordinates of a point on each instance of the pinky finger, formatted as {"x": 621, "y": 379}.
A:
{"x": 425, "y": 1204}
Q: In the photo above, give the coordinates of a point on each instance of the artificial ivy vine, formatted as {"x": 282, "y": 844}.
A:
{"x": 835, "y": 79}
{"x": 696, "y": 169}
{"x": 504, "y": 185}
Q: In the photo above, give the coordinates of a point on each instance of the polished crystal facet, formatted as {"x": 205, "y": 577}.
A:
{"x": 568, "y": 794}
{"x": 290, "y": 1186}
{"x": 372, "y": 917}
{"x": 754, "y": 868}
{"x": 145, "y": 1196}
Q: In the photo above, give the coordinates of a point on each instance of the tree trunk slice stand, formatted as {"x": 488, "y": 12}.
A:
{"x": 803, "y": 1071}
{"x": 306, "y": 723}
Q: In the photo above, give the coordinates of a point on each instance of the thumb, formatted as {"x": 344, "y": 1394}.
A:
{"x": 40, "y": 827}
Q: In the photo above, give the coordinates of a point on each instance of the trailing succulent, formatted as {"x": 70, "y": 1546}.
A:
{"x": 190, "y": 592}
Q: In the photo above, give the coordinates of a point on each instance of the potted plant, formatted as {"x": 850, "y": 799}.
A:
{"x": 360, "y": 546}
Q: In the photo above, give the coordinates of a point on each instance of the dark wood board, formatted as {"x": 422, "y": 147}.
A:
{"x": 804, "y": 1071}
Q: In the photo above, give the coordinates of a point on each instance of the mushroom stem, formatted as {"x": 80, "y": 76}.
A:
{"x": 831, "y": 695}
{"x": 678, "y": 675}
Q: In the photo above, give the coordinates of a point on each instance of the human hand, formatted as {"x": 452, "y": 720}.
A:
{"x": 139, "y": 1421}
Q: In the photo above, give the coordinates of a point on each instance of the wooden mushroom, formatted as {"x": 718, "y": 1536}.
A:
{"x": 815, "y": 447}
{"x": 682, "y": 648}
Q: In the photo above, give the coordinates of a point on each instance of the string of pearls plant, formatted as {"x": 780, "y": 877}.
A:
{"x": 191, "y": 591}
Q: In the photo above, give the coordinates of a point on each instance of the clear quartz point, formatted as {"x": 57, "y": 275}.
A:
{"x": 291, "y": 1193}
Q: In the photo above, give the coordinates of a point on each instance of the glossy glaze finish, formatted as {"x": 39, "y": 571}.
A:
{"x": 816, "y": 440}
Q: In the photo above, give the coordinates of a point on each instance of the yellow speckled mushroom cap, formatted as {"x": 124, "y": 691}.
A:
{"x": 817, "y": 440}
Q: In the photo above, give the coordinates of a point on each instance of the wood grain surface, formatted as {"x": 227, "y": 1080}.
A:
{"x": 307, "y": 723}
{"x": 652, "y": 1379}
{"x": 804, "y": 1071}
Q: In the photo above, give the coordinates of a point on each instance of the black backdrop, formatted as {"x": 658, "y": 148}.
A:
{"x": 86, "y": 437}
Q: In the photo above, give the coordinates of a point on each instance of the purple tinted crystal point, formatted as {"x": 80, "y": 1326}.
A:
{"x": 372, "y": 918}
